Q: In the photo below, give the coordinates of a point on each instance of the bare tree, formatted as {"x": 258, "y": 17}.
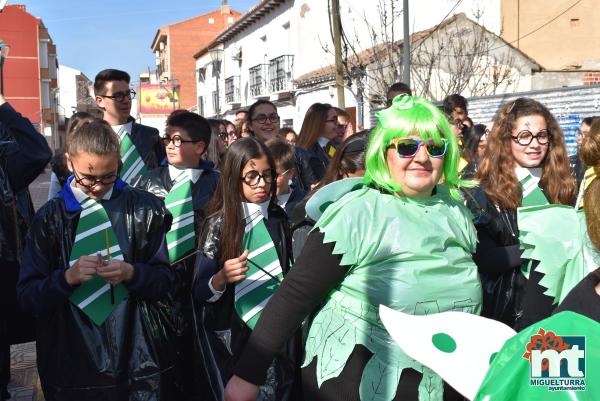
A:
{"x": 456, "y": 56}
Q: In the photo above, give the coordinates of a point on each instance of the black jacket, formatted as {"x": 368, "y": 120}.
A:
{"x": 147, "y": 142}
{"x": 305, "y": 177}
{"x": 318, "y": 161}
{"x": 220, "y": 333}
{"x": 296, "y": 197}
{"x": 507, "y": 295}
{"x": 24, "y": 153}
{"x": 131, "y": 355}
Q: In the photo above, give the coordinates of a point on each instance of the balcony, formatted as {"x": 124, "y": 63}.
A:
{"x": 281, "y": 73}
{"x": 258, "y": 81}
{"x": 232, "y": 90}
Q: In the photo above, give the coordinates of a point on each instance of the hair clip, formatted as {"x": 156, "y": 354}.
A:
{"x": 512, "y": 106}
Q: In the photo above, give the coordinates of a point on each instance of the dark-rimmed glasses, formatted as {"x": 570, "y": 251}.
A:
{"x": 262, "y": 118}
{"x": 408, "y": 147}
{"x": 252, "y": 178}
{"x": 120, "y": 96}
{"x": 90, "y": 181}
{"x": 525, "y": 137}
{"x": 176, "y": 139}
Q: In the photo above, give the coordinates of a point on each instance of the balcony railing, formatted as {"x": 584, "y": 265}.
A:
{"x": 232, "y": 90}
{"x": 258, "y": 80}
{"x": 281, "y": 73}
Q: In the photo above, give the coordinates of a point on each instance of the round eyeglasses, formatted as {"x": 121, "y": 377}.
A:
{"x": 176, "y": 139}
{"x": 252, "y": 178}
{"x": 524, "y": 138}
{"x": 90, "y": 181}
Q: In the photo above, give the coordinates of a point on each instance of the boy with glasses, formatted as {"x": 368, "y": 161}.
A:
{"x": 186, "y": 185}
{"x": 94, "y": 265}
{"x": 141, "y": 149}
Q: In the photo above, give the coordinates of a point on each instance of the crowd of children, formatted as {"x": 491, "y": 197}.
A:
{"x": 241, "y": 262}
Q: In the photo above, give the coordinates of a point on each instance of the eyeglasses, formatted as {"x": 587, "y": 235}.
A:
{"x": 525, "y": 137}
{"x": 176, "y": 139}
{"x": 284, "y": 173}
{"x": 252, "y": 178}
{"x": 90, "y": 181}
{"x": 408, "y": 147}
{"x": 120, "y": 96}
{"x": 262, "y": 118}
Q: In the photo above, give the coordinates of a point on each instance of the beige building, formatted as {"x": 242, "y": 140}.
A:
{"x": 558, "y": 34}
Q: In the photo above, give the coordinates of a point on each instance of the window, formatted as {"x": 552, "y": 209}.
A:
{"x": 201, "y": 105}
{"x": 211, "y": 21}
{"x": 43, "y": 54}
{"x": 45, "y": 94}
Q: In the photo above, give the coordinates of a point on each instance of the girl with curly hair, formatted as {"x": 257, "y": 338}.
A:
{"x": 526, "y": 164}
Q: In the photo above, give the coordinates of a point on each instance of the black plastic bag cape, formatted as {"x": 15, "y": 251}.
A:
{"x": 158, "y": 182}
{"x": 131, "y": 356}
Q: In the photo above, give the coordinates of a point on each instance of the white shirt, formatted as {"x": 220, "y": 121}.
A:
{"x": 194, "y": 173}
{"x": 80, "y": 196}
{"x": 254, "y": 213}
{"x": 127, "y": 126}
{"x": 323, "y": 141}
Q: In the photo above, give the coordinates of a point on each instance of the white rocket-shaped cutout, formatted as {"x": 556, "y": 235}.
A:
{"x": 457, "y": 346}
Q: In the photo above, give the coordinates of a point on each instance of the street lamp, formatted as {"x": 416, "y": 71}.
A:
{"x": 216, "y": 55}
{"x": 3, "y": 55}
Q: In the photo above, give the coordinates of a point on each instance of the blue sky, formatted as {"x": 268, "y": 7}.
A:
{"x": 93, "y": 35}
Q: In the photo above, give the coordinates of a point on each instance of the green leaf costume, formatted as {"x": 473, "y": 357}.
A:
{"x": 408, "y": 254}
{"x": 557, "y": 236}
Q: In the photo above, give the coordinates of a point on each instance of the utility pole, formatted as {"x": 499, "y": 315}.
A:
{"x": 337, "y": 45}
{"x": 406, "y": 46}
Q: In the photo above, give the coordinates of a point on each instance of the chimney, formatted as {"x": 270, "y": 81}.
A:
{"x": 224, "y": 8}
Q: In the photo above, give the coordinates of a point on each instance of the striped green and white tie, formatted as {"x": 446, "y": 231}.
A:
{"x": 95, "y": 235}
{"x": 264, "y": 273}
{"x": 181, "y": 239}
{"x": 133, "y": 164}
{"x": 532, "y": 194}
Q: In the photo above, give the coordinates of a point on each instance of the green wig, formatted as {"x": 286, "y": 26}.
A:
{"x": 405, "y": 117}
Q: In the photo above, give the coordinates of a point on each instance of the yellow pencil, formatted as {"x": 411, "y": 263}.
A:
{"x": 112, "y": 288}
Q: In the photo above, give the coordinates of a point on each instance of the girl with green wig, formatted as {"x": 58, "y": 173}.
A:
{"x": 399, "y": 239}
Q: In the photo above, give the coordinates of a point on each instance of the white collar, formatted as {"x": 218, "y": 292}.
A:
{"x": 323, "y": 141}
{"x": 127, "y": 127}
{"x": 534, "y": 172}
{"x": 254, "y": 212}
{"x": 283, "y": 199}
{"x": 80, "y": 196}
{"x": 193, "y": 173}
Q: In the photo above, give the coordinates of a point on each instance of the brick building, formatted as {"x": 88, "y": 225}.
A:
{"x": 30, "y": 71}
{"x": 174, "y": 46}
